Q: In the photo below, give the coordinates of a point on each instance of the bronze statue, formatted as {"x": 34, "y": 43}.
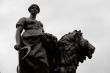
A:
{"x": 36, "y": 60}
{"x": 74, "y": 49}
{"x": 41, "y": 52}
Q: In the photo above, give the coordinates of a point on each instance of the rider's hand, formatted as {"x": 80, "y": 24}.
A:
{"x": 17, "y": 47}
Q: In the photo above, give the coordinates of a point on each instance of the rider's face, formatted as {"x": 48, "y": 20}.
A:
{"x": 34, "y": 10}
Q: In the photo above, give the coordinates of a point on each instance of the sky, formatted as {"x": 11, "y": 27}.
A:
{"x": 59, "y": 17}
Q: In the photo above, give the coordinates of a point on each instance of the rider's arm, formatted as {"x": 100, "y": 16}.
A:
{"x": 20, "y": 25}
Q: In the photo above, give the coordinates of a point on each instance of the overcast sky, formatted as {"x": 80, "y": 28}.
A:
{"x": 59, "y": 17}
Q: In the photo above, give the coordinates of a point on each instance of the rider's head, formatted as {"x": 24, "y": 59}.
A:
{"x": 34, "y": 8}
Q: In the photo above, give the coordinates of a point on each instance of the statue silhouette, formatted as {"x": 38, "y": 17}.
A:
{"x": 41, "y": 52}
{"x": 33, "y": 60}
{"x": 74, "y": 49}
